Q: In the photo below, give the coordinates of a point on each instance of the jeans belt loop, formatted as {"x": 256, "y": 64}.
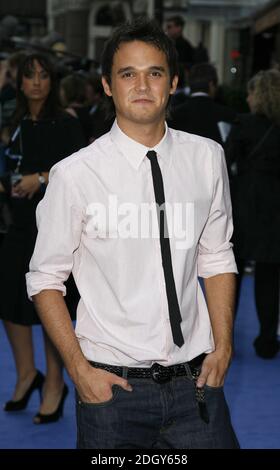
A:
{"x": 124, "y": 372}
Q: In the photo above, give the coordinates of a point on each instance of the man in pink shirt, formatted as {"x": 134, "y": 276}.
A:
{"x": 138, "y": 216}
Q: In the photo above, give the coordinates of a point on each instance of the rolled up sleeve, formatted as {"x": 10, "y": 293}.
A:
{"x": 59, "y": 221}
{"x": 215, "y": 255}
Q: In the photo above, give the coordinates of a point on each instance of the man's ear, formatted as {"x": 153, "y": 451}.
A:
{"x": 174, "y": 85}
{"x": 106, "y": 87}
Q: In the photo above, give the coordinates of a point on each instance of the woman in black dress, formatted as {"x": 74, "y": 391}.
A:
{"x": 41, "y": 135}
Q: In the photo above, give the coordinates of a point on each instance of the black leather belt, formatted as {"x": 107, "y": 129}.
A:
{"x": 159, "y": 373}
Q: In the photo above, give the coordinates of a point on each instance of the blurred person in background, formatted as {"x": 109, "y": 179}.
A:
{"x": 253, "y": 155}
{"x": 100, "y": 122}
{"x": 185, "y": 50}
{"x": 200, "y": 114}
{"x": 8, "y": 77}
{"x": 72, "y": 90}
{"x": 41, "y": 135}
{"x": 182, "y": 91}
{"x": 8, "y": 74}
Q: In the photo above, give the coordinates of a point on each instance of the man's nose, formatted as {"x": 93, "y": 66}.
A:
{"x": 142, "y": 82}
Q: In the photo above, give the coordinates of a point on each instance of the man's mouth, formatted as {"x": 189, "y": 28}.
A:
{"x": 142, "y": 100}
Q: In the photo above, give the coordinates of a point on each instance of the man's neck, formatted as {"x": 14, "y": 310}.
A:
{"x": 146, "y": 134}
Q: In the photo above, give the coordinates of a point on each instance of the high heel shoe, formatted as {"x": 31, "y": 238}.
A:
{"x": 18, "y": 405}
{"x": 41, "y": 418}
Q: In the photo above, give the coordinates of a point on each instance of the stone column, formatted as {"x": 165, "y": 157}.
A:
{"x": 217, "y": 47}
{"x": 70, "y": 18}
{"x": 50, "y": 16}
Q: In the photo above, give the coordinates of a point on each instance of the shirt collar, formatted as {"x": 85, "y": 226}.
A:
{"x": 135, "y": 152}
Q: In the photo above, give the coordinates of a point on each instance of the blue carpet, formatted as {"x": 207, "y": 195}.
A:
{"x": 253, "y": 384}
{"x": 16, "y": 429}
{"x": 252, "y": 391}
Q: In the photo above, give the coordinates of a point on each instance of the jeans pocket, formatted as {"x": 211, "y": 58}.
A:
{"x": 115, "y": 393}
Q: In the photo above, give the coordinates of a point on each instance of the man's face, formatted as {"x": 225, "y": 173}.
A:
{"x": 140, "y": 83}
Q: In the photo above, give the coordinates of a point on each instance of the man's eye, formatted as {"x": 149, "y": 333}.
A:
{"x": 127, "y": 75}
{"x": 156, "y": 74}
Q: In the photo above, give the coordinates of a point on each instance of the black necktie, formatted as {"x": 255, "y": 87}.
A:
{"x": 173, "y": 305}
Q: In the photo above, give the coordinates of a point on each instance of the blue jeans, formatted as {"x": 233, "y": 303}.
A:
{"x": 156, "y": 416}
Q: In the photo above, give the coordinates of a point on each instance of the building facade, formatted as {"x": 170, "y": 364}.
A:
{"x": 266, "y": 36}
{"x": 29, "y": 15}
{"x": 219, "y": 24}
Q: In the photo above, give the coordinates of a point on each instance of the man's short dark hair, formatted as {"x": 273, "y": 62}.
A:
{"x": 177, "y": 20}
{"x": 201, "y": 75}
{"x": 143, "y": 30}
